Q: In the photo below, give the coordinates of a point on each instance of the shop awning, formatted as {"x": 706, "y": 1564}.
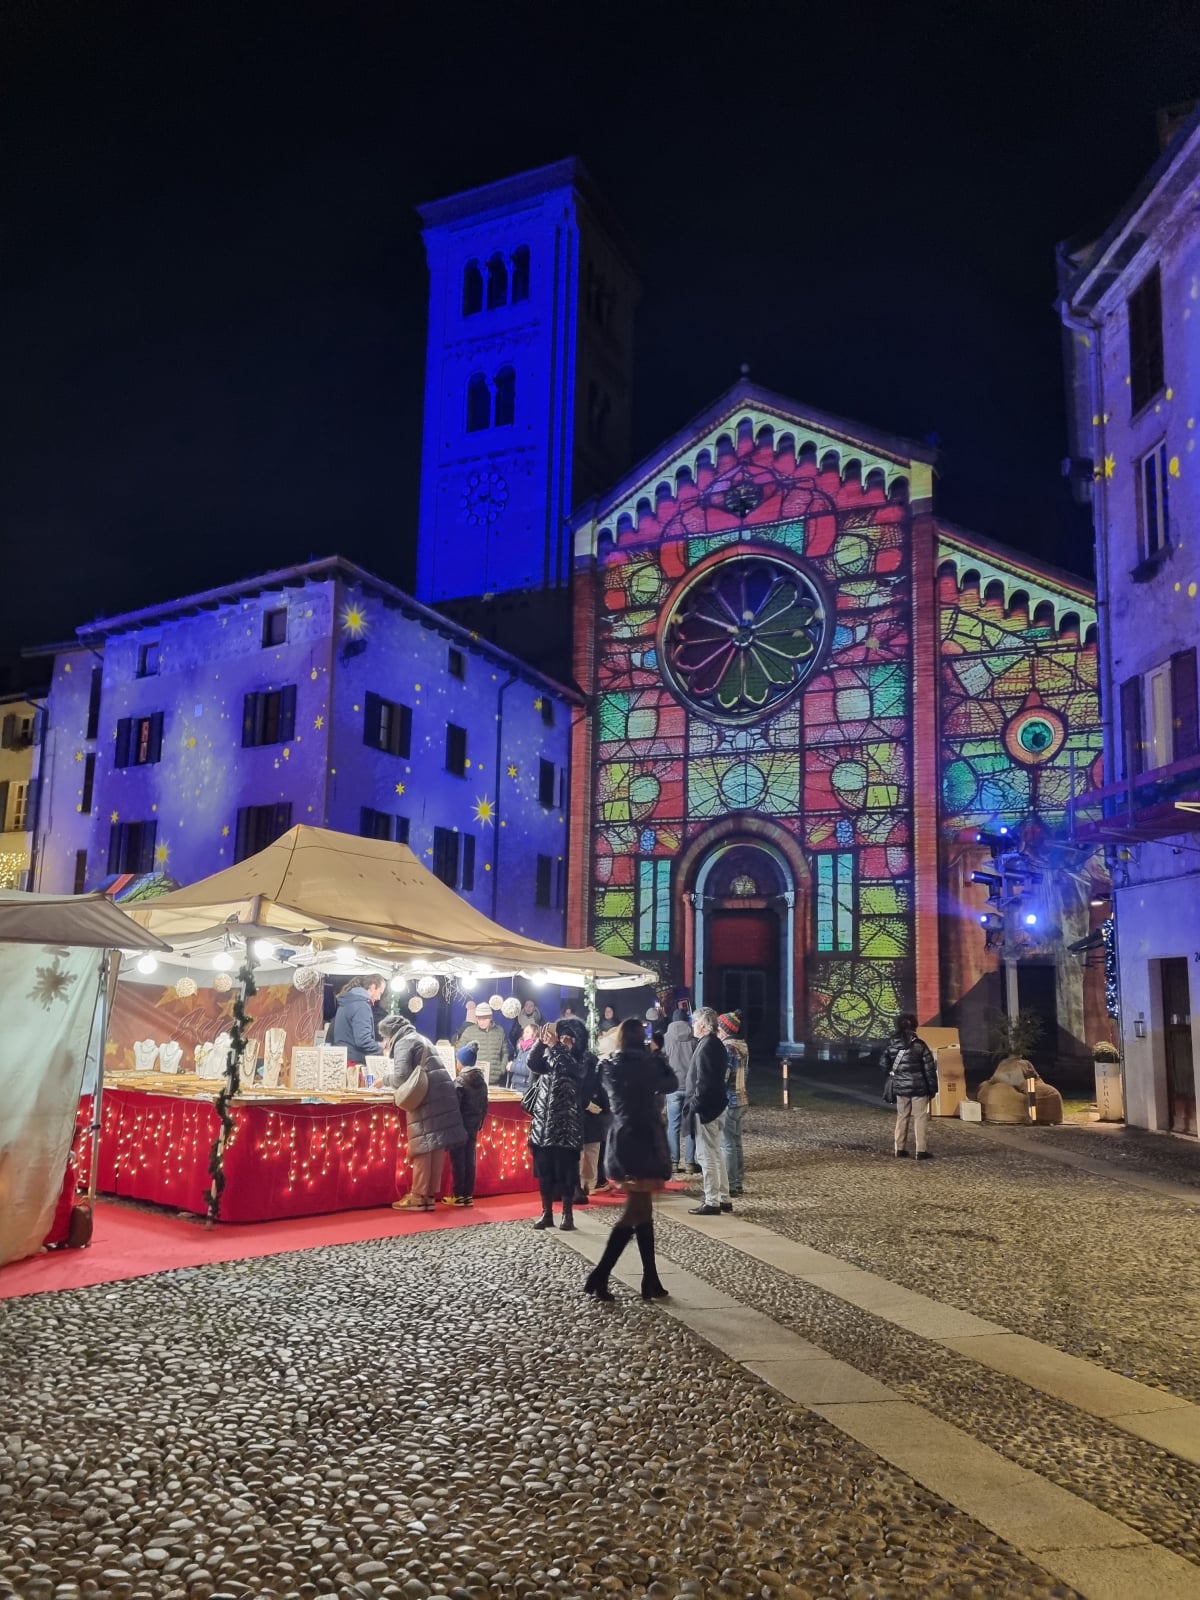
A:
{"x": 87, "y": 920}
{"x": 322, "y": 887}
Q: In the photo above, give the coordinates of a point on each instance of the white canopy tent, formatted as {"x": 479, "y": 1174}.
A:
{"x": 343, "y": 902}
{"x": 54, "y": 975}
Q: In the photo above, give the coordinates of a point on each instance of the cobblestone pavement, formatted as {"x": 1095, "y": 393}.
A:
{"x": 445, "y": 1415}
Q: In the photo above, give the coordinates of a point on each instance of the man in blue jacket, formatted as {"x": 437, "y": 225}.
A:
{"x": 705, "y": 1101}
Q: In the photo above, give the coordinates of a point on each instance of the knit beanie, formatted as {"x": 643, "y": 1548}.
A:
{"x": 467, "y": 1056}
{"x": 730, "y": 1022}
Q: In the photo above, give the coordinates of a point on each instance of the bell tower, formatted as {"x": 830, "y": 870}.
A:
{"x": 528, "y": 379}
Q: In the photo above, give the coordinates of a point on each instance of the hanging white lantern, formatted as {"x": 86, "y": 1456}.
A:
{"x": 427, "y": 988}
{"x": 511, "y": 1007}
{"x": 496, "y": 1002}
{"x": 415, "y": 1004}
{"x": 185, "y": 988}
{"x": 222, "y": 983}
{"x": 398, "y": 984}
{"x": 306, "y": 979}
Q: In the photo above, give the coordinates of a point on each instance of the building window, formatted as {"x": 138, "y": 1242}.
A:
{"x": 382, "y": 825}
{"x": 93, "y": 721}
{"x": 497, "y": 283}
{"x": 456, "y": 663}
{"x": 479, "y": 403}
{"x": 506, "y": 397}
{"x": 560, "y": 884}
{"x": 148, "y": 662}
{"x": 1185, "y": 705}
{"x": 654, "y": 905}
{"x": 89, "y": 784}
{"x": 1145, "y": 341}
{"x": 260, "y": 826}
{"x": 131, "y": 847}
{"x": 8, "y": 732}
{"x": 520, "y": 273}
{"x": 139, "y": 741}
{"x": 468, "y": 862}
{"x": 835, "y": 903}
{"x": 456, "y": 750}
{"x": 1132, "y": 752}
{"x": 387, "y": 726}
{"x": 20, "y": 807}
{"x": 269, "y": 717}
{"x": 472, "y": 293}
{"x": 546, "y": 777}
{"x": 1153, "y": 501}
{"x": 445, "y": 856}
{"x": 543, "y": 880}
{"x": 1160, "y": 716}
{"x": 80, "y": 872}
{"x": 274, "y": 627}
{"x": 1159, "y": 744}
{"x": 547, "y": 710}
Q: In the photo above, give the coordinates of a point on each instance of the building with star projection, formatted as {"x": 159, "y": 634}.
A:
{"x": 185, "y": 737}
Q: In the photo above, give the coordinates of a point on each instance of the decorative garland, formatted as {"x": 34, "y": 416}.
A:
{"x": 231, "y": 1086}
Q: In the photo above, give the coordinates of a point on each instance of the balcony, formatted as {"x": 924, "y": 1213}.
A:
{"x": 1152, "y": 805}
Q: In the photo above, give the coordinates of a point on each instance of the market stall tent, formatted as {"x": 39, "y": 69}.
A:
{"x": 53, "y": 968}
{"x": 319, "y": 887}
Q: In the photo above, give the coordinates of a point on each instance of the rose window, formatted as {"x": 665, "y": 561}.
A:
{"x": 741, "y": 639}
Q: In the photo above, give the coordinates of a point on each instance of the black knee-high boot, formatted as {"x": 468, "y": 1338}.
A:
{"x": 546, "y": 1220}
{"x": 652, "y": 1288}
{"x": 597, "y": 1280}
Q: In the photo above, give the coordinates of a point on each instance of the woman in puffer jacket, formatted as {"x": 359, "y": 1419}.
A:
{"x": 434, "y": 1126}
{"x": 558, "y": 1063}
{"x": 637, "y": 1155}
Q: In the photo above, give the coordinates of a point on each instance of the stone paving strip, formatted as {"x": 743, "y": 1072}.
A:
{"x": 1164, "y": 1419}
{"x": 1099, "y": 1555}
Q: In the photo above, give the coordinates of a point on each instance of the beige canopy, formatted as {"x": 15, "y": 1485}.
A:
{"x": 327, "y": 887}
{"x": 79, "y": 920}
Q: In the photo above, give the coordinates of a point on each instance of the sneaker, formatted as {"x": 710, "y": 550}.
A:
{"x": 901, "y": 1155}
{"x": 705, "y": 1211}
{"x": 726, "y": 1205}
{"x": 582, "y": 1198}
{"x": 466, "y": 1201}
{"x": 923, "y": 1155}
{"x": 449, "y": 1200}
{"x": 735, "y": 1194}
{"x": 694, "y": 1166}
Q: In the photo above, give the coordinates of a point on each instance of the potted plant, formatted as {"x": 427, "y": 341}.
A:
{"x": 1110, "y": 1090}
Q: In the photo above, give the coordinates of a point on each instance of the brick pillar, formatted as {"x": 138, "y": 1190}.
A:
{"x": 579, "y": 838}
{"x": 926, "y": 748}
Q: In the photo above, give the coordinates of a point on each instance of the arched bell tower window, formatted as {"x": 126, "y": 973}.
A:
{"x": 506, "y": 397}
{"x": 520, "y": 273}
{"x": 472, "y": 293}
{"x": 497, "y": 282}
{"x": 479, "y": 403}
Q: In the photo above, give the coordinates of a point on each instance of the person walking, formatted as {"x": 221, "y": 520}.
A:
{"x": 435, "y": 1125}
{"x": 737, "y": 1053}
{"x": 705, "y": 1100}
{"x": 491, "y": 1044}
{"x": 912, "y": 1071}
{"x": 679, "y": 1045}
{"x": 636, "y": 1153}
{"x": 558, "y": 1063}
{"x": 354, "y": 1021}
{"x": 471, "y": 1088}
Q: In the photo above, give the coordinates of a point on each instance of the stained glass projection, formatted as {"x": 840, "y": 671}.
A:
{"x": 835, "y": 902}
{"x": 654, "y": 905}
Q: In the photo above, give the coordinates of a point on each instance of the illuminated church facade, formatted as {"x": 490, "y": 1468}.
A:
{"x": 805, "y": 693}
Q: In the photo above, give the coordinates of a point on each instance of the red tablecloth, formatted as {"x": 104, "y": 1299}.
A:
{"x": 285, "y": 1160}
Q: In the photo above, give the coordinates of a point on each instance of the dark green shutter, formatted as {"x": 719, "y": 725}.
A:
{"x": 287, "y": 713}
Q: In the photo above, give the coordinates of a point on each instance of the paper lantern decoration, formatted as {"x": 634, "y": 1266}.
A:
{"x": 306, "y": 979}
{"x": 185, "y": 988}
{"x": 415, "y": 1004}
{"x": 427, "y": 988}
{"x": 222, "y": 983}
{"x": 496, "y": 1001}
{"x": 511, "y": 1007}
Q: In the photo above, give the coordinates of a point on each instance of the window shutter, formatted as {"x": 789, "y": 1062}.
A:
{"x": 1184, "y": 718}
{"x": 250, "y": 720}
{"x": 124, "y": 740}
{"x": 287, "y": 716}
{"x": 114, "y": 849}
{"x": 283, "y": 811}
{"x": 4, "y": 806}
{"x": 405, "y": 731}
{"x": 31, "y": 804}
{"x": 146, "y": 855}
{"x": 468, "y": 861}
{"x": 8, "y": 732}
{"x": 372, "y": 720}
{"x": 1132, "y": 753}
{"x": 93, "y": 721}
{"x": 240, "y": 851}
{"x": 156, "y": 733}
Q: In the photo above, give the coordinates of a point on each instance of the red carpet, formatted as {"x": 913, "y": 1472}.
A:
{"x": 133, "y": 1244}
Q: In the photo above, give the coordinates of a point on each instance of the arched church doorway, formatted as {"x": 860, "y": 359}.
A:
{"x": 744, "y": 936}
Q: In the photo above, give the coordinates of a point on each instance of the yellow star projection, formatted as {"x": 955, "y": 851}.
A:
{"x": 399, "y": 788}
{"x": 354, "y": 619}
{"x": 512, "y": 772}
{"x": 318, "y": 723}
{"x": 484, "y": 810}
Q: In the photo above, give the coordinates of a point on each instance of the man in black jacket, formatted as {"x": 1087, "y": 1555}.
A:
{"x": 705, "y": 1101}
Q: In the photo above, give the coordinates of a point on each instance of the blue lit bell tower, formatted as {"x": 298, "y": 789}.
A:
{"x": 527, "y": 382}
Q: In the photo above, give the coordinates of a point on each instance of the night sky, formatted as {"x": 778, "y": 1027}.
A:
{"x": 214, "y": 287}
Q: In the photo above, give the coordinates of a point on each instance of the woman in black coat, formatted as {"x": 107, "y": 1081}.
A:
{"x": 558, "y": 1064}
{"x": 636, "y": 1154}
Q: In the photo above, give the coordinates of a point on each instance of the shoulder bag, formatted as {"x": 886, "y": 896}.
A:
{"x": 411, "y": 1093}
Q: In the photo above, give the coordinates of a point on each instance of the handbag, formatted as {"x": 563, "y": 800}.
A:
{"x": 530, "y": 1098}
{"x": 411, "y": 1093}
{"x": 889, "y": 1089}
